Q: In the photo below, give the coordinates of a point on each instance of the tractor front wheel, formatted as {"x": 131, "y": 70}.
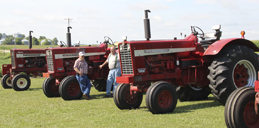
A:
{"x": 49, "y": 87}
{"x": 161, "y": 97}
{"x": 6, "y": 81}
{"x": 21, "y": 82}
{"x": 234, "y": 67}
{"x": 99, "y": 84}
{"x": 124, "y": 100}
{"x": 239, "y": 109}
{"x": 192, "y": 93}
{"x": 69, "y": 88}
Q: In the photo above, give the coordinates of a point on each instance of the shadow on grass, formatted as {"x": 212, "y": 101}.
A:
{"x": 193, "y": 105}
{"x": 34, "y": 89}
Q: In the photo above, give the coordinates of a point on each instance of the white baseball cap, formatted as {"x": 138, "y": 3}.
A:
{"x": 81, "y": 53}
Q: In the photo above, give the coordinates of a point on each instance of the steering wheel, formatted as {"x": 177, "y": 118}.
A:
{"x": 107, "y": 40}
{"x": 199, "y": 33}
{"x": 63, "y": 44}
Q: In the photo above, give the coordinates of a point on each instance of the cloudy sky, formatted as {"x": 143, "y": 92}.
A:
{"x": 94, "y": 19}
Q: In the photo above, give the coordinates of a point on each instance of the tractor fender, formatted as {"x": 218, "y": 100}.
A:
{"x": 216, "y": 47}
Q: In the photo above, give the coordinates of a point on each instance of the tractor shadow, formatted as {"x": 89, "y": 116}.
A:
{"x": 96, "y": 97}
{"x": 193, "y": 105}
{"x": 34, "y": 89}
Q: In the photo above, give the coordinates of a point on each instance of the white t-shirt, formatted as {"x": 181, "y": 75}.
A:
{"x": 111, "y": 61}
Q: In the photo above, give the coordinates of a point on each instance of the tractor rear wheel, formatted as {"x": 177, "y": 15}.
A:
{"x": 192, "y": 93}
{"x": 124, "y": 100}
{"x": 69, "y": 88}
{"x": 6, "y": 81}
{"x": 239, "y": 109}
{"x": 234, "y": 67}
{"x": 161, "y": 98}
{"x": 49, "y": 87}
{"x": 21, "y": 82}
{"x": 99, "y": 84}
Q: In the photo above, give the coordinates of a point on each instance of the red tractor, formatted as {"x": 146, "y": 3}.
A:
{"x": 29, "y": 61}
{"x": 241, "y": 109}
{"x": 61, "y": 80}
{"x": 185, "y": 69}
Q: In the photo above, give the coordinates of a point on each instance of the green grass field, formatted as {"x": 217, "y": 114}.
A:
{"x": 32, "y": 108}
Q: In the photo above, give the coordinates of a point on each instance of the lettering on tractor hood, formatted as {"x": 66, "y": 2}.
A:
{"x": 146, "y": 52}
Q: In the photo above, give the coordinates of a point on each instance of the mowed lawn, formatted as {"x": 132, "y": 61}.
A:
{"x": 32, "y": 108}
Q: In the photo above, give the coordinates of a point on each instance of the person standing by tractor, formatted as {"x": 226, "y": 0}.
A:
{"x": 113, "y": 62}
{"x": 81, "y": 68}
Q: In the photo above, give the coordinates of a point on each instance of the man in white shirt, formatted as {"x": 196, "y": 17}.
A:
{"x": 113, "y": 62}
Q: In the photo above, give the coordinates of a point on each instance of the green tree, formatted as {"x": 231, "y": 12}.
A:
{"x": 9, "y": 41}
{"x": 35, "y": 41}
{"x": 18, "y": 41}
{"x": 46, "y": 42}
{"x": 1, "y": 35}
{"x": 23, "y": 36}
{"x": 55, "y": 41}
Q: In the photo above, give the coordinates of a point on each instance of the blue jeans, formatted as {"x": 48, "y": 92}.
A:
{"x": 113, "y": 73}
{"x": 84, "y": 83}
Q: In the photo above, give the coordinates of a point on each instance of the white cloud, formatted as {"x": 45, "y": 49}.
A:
{"x": 126, "y": 16}
{"x": 195, "y": 17}
{"x": 156, "y": 19}
{"x": 150, "y": 6}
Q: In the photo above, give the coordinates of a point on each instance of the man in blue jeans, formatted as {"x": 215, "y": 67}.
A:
{"x": 113, "y": 61}
{"x": 81, "y": 68}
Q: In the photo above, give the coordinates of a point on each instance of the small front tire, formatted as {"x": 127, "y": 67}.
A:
{"x": 21, "y": 82}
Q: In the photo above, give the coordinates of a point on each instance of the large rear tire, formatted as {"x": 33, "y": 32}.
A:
{"x": 124, "y": 100}
{"x": 21, "y": 82}
{"x": 69, "y": 88}
{"x": 192, "y": 93}
{"x": 99, "y": 84}
{"x": 49, "y": 87}
{"x": 239, "y": 110}
{"x": 161, "y": 98}
{"x": 234, "y": 67}
{"x": 6, "y": 81}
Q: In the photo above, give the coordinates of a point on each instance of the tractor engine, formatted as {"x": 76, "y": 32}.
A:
{"x": 158, "y": 64}
{"x": 32, "y": 60}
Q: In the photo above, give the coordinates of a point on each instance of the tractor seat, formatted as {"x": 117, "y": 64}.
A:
{"x": 210, "y": 38}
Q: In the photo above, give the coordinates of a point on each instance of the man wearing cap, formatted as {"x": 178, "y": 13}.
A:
{"x": 81, "y": 68}
{"x": 113, "y": 61}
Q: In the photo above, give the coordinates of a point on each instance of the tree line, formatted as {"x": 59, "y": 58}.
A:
{"x": 35, "y": 41}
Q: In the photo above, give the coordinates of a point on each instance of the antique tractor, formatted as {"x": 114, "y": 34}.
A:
{"x": 60, "y": 78}
{"x": 241, "y": 109}
{"x": 26, "y": 61}
{"x": 185, "y": 69}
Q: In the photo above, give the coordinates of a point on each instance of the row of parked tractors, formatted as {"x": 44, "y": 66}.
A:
{"x": 166, "y": 70}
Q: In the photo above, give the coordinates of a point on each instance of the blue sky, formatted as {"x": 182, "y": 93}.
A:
{"x": 94, "y": 19}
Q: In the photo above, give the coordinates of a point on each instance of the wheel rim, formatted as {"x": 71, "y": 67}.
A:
{"x": 250, "y": 118}
{"x": 22, "y": 83}
{"x": 73, "y": 89}
{"x": 8, "y": 82}
{"x": 165, "y": 99}
{"x": 244, "y": 74}
{"x": 195, "y": 87}
{"x": 130, "y": 99}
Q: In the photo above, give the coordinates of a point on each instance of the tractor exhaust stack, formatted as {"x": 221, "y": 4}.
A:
{"x": 68, "y": 36}
{"x": 30, "y": 39}
{"x": 147, "y": 25}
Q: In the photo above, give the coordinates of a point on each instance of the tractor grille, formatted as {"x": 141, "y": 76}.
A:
{"x": 49, "y": 60}
{"x": 12, "y": 58}
{"x": 126, "y": 62}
